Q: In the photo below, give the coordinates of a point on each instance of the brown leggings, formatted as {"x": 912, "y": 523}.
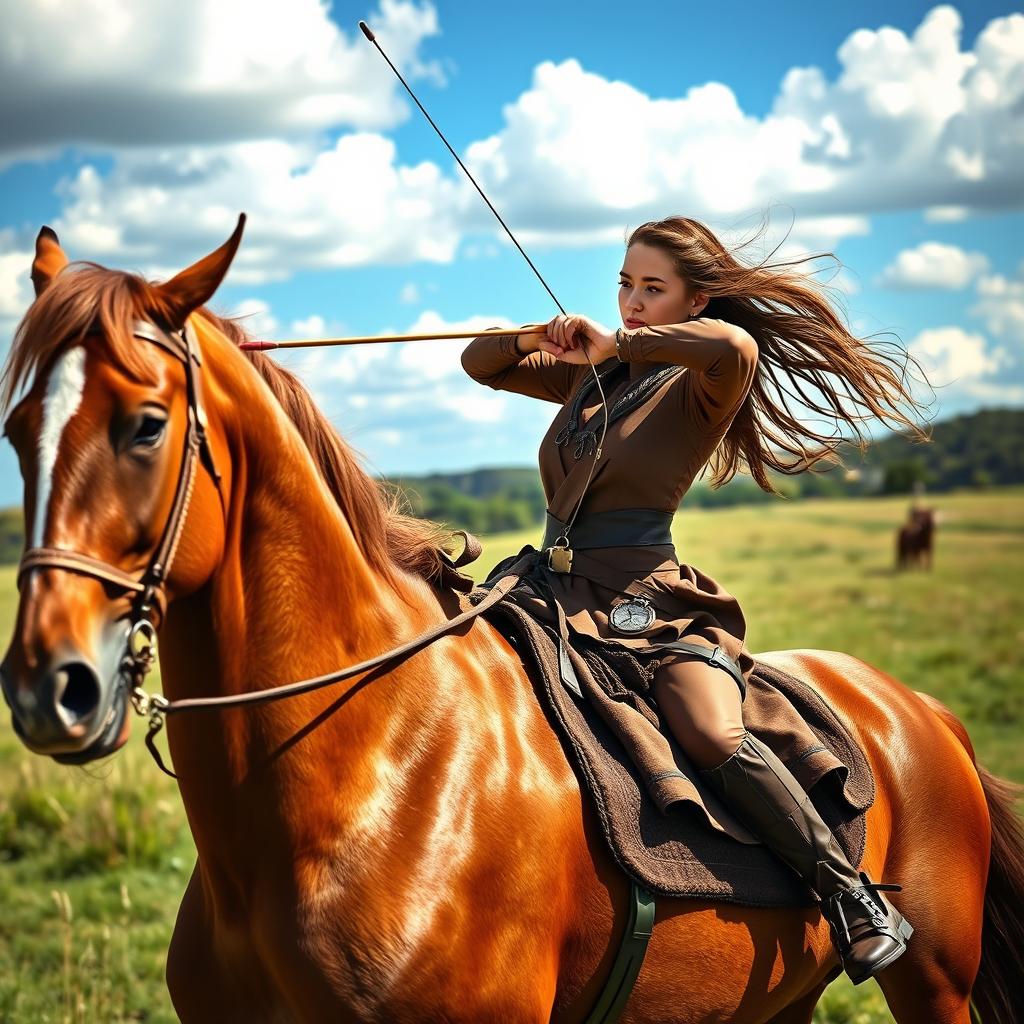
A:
{"x": 701, "y": 705}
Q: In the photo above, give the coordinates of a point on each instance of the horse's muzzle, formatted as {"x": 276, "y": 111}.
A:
{"x": 62, "y": 711}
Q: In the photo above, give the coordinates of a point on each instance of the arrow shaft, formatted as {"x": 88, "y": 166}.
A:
{"x": 375, "y": 339}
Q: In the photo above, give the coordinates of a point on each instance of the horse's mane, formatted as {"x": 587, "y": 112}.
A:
{"x": 87, "y": 296}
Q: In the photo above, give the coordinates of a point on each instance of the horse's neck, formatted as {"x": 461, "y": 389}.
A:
{"x": 293, "y": 598}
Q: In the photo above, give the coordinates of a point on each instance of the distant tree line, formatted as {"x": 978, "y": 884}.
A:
{"x": 984, "y": 449}
{"x": 979, "y": 450}
{"x": 481, "y": 501}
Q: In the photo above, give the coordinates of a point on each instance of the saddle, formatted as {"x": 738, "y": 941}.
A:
{"x": 663, "y": 826}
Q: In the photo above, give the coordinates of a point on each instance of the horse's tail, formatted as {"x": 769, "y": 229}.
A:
{"x": 1000, "y": 978}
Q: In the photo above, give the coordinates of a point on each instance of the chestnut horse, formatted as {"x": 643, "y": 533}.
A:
{"x": 413, "y": 846}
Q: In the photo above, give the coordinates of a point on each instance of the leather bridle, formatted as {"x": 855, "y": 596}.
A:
{"x": 140, "y": 652}
{"x": 149, "y": 588}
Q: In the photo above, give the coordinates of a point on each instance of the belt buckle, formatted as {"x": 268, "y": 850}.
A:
{"x": 559, "y": 555}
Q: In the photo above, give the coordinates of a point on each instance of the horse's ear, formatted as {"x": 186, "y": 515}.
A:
{"x": 193, "y": 287}
{"x": 50, "y": 259}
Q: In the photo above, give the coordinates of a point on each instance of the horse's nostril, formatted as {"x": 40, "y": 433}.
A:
{"x": 80, "y": 694}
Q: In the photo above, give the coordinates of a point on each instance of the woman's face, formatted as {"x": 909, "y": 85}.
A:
{"x": 651, "y": 292}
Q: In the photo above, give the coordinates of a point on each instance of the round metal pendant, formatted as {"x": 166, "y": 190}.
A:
{"x": 633, "y": 616}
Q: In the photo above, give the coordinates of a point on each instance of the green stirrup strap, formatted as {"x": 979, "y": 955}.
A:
{"x": 629, "y": 959}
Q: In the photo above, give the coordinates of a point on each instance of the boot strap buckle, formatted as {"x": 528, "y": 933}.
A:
{"x": 863, "y": 894}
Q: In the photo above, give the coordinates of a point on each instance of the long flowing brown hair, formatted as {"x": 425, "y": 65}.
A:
{"x": 87, "y": 296}
{"x": 801, "y": 340}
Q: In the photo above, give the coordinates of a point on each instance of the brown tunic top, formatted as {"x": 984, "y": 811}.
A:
{"x": 649, "y": 460}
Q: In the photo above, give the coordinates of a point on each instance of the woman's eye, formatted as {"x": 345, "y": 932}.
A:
{"x": 150, "y": 432}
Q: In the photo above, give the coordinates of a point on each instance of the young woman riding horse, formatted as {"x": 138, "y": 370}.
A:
{"x": 704, "y": 338}
{"x": 413, "y": 845}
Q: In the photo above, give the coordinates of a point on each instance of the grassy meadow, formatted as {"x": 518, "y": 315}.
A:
{"x": 93, "y": 861}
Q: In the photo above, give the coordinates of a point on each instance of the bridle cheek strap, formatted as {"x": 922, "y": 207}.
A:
{"x": 150, "y": 586}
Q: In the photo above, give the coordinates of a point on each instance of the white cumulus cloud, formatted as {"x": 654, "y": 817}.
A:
{"x": 1001, "y": 305}
{"x": 350, "y": 205}
{"x": 946, "y": 214}
{"x": 255, "y": 316}
{"x": 951, "y": 354}
{"x": 911, "y": 122}
{"x": 934, "y": 265}
{"x": 437, "y": 360}
{"x": 314, "y": 326}
{"x": 971, "y": 367}
{"x": 114, "y": 74}
{"x": 16, "y": 293}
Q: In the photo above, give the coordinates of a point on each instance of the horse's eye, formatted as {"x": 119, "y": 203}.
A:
{"x": 150, "y": 432}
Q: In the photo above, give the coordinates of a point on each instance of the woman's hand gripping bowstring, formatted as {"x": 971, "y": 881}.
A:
{"x": 574, "y": 338}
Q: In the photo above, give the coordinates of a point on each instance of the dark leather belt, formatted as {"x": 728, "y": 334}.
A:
{"x": 621, "y": 527}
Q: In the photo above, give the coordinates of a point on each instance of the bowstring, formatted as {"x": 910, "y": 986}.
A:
{"x": 597, "y": 377}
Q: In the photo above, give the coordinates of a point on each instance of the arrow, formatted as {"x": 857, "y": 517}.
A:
{"x": 262, "y": 346}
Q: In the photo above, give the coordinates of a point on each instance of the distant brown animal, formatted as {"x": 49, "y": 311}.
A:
{"x": 914, "y": 542}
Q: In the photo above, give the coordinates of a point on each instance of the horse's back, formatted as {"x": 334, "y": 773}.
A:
{"x": 889, "y": 719}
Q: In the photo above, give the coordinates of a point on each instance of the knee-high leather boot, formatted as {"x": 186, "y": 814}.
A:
{"x": 869, "y": 933}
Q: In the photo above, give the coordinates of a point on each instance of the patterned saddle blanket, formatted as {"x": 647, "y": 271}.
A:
{"x": 665, "y": 828}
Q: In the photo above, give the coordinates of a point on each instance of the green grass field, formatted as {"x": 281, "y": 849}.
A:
{"x": 93, "y": 861}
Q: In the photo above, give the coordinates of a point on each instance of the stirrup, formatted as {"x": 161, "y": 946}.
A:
{"x": 879, "y": 917}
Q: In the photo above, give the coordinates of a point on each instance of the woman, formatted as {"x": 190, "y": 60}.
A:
{"x": 687, "y": 381}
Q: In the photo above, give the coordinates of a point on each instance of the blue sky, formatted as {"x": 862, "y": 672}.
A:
{"x": 888, "y": 134}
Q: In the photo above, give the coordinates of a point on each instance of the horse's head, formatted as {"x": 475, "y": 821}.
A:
{"x": 110, "y": 436}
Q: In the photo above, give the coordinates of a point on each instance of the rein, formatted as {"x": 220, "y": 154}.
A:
{"x": 158, "y": 707}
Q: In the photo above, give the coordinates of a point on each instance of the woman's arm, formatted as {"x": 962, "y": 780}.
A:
{"x": 497, "y": 361}
{"x": 723, "y": 355}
